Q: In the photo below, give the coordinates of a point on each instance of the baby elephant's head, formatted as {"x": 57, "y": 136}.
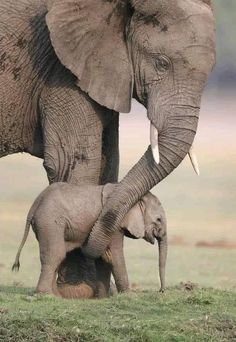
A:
{"x": 147, "y": 220}
{"x": 155, "y": 225}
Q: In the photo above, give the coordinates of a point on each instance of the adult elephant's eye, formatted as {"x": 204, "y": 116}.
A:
{"x": 162, "y": 63}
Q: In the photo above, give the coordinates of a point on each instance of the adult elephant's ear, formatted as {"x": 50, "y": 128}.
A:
{"x": 89, "y": 39}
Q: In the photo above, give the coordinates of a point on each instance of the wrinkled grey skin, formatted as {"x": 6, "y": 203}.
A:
{"x": 63, "y": 80}
{"x": 62, "y": 217}
{"x": 42, "y": 110}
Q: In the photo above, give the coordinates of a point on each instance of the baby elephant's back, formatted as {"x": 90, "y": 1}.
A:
{"x": 84, "y": 204}
{"x": 75, "y": 206}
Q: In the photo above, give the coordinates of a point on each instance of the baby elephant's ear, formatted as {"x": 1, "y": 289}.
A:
{"x": 134, "y": 222}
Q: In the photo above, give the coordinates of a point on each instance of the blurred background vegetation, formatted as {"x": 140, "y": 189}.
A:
{"x": 225, "y": 71}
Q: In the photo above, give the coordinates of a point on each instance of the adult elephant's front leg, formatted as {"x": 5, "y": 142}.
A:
{"x": 72, "y": 126}
{"x": 110, "y": 170}
{"x": 110, "y": 149}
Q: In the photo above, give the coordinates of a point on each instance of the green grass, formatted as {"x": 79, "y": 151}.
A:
{"x": 145, "y": 315}
{"x": 178, "y": 315}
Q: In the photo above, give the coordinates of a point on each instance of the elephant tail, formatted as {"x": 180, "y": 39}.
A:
{"x": 16, "y": 265}
{"x": 29, "y": 219}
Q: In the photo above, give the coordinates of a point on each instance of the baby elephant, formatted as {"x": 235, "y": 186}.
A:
{"x": 62, "y": 217}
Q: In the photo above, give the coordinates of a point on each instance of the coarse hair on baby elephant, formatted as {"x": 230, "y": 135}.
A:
{"x": 62, "y": 217}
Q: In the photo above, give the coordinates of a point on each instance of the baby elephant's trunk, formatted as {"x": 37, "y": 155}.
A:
{"x": 163, "y": 246}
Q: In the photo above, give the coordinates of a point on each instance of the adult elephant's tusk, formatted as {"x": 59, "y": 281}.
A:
{"x": 193, "y": 159}
{"x": 154, "y": 143}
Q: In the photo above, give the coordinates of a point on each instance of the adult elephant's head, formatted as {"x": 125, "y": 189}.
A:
{"x": 158, "y": 51}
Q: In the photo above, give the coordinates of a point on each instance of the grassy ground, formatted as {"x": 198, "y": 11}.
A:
{"x": 178, "y": 315}
{"x": 186, "y": 312}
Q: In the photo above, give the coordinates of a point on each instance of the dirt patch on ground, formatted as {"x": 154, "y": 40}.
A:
{"x": 177, "y": 240}
{"x": 135, "y": 286}
{"x": 227, "y": 327}
{"x": 216, "y": 244}
{"x": 17, "y": 284}
{"x": 3, "y": 311}
{"x": 188, "y": 286}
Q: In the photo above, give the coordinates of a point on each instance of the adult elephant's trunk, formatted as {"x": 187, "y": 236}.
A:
{"x": 175, "y": 139}
{"x": 163, "y": 246}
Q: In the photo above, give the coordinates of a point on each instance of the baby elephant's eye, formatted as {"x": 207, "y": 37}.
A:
{"x": 158, "y": 220}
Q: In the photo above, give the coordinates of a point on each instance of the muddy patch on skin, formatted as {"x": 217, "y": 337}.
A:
{"x": 2, "y": 265}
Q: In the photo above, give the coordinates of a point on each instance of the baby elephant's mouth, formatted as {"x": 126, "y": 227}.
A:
{"x": 150, "y": 236}
{"x": 150, "y": 239}
{"x": 153, "y": 233}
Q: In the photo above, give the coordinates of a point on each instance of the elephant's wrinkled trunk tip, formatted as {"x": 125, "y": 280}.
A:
{"x": 162, "y": 245}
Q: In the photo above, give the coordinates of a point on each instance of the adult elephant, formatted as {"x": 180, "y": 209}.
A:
{"x": 64, "y": 79}
{"x": 43, "y": 112}
{"x": 160, "y": 52}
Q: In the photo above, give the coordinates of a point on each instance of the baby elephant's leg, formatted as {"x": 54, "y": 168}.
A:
{"x": 52, "y": 252}
{"x": 119, "y": 270}
{"x": 103, "y": 270}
